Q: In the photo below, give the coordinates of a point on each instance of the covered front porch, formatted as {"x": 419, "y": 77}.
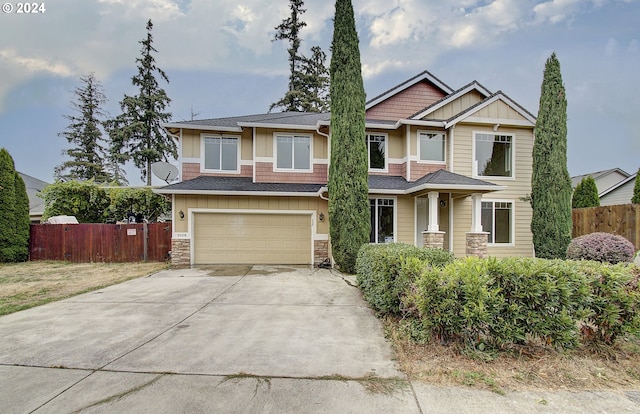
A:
{"x": 437, "y": 215}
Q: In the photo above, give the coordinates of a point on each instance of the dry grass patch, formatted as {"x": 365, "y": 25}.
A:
{"x": 25, "y": 285}
{"x": 611, "y": 368}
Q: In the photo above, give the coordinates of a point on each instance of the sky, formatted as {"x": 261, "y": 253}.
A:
{"x": 221, "y": 61}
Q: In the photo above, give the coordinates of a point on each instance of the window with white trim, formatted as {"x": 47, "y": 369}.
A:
{"x": 382, "y": 220}
{"x": 293, "y": 152}
{"x": 497, "y": 220}
{"x": 377, "y": 151}
{"x": 431, "y": 146}
{"x": 221, "y": 153}
{"x": 493, "y": 155}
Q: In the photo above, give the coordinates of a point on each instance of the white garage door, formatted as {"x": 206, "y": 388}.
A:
{"x": 247, "y": 238}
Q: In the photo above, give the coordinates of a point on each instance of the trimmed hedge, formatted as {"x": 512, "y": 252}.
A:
{"x": 601, "y": 247}
{"x": 378, "y": 272}
{"x": 503, "y": 302}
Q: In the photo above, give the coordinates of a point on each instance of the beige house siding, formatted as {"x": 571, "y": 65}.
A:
{"x": 456, "y": 106}
{"x": 499, "y": 110}
{"x": 517, "y": 188}
{"x": 405, "y": 220}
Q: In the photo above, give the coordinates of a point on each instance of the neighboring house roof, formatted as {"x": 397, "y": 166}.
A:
{"x": 407, "y": 84}
{"x": 34, "y": 185}
{"x": 617, "y": 186}
{"x": 598, "y": 176}
{"x": 238, "y": 186}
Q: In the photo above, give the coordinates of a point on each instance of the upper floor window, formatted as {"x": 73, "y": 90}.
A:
{"x": 293, "y": 152}
{"x": 221, "y": 153}
{"x": 493, "y": 155}
{"x": 377, "y": 151}
{"x": 431, "y": 146}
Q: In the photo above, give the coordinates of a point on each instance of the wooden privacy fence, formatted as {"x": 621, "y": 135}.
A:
{"x": 86, "y": 243}
{"x": 623, "y": 219}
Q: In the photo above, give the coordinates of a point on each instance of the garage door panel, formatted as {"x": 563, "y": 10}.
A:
{"x": 252, "y": 238}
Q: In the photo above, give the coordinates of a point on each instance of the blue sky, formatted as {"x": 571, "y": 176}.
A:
{"x": 220, "y": 61}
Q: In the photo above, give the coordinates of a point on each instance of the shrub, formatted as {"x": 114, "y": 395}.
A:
{"x": 502, "y": 301}
{"x": 601, "y": 247}
{"x": 615, "y": 304}
{"x": 378, "y": 272}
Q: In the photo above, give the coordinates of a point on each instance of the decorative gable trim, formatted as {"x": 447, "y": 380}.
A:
{"x": 452, "y": 97}
{"x": 424, "y": 76}
{"x": 498, "y": 96}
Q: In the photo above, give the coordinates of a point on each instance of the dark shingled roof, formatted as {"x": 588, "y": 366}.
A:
{"x": 440, "y": 177}
{"x": 230, "y": 184}
{"x": 283, "y": 118}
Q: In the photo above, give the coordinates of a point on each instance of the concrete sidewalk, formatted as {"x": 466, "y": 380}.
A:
{"x": 237, "y": 339}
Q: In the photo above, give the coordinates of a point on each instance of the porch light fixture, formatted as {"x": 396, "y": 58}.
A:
{"x": 321, "y": 217}
{"x": 181, "y": 214}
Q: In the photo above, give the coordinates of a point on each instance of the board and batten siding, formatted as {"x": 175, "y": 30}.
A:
{"x": 517, "y": 188}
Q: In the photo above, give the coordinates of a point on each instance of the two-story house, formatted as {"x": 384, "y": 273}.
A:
{"x": 447, "y": 168}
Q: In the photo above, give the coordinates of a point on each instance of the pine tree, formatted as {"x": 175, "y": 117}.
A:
{"x": 84, "y": 132}
{"x": 585, "y": 194}
{"x": 636, "y": 189}
{"x": 14, "y": 212}
{"x": 308, "y": 77}
{"x": 349, "y": 216}
{"x": 137, "y": 133}
{"x": 550, "y": 182}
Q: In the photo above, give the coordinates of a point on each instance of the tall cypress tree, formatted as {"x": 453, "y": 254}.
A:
{"x": 585, "y": 194}
{"x": 635, "y": 199}
{"x": 137, "y": 132}
{"x": 84, "y": 132}
{"x": 550, "y": 182}
{"x": 349, "y": 215}
{"x": 14, "y": 212}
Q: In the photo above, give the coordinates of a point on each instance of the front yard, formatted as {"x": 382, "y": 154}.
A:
{"x": 25, "y": 285}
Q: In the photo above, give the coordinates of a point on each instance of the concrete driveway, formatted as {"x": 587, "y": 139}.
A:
{"x": 239, "y": 339}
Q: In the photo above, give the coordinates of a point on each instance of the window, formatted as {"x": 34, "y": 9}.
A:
{"x": 431, "y": 146}
{"x": 497, "y": 221}
{"x": 293, "y": 152}
{"x": 377, "y": 149}
{"x": 382, "y": 220}
{"x": 221, "y": 153}
{"x": 493, "y": 155}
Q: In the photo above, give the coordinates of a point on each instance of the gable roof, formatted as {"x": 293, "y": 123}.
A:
{"x": 618, "y": 185}
{"x": 498, "y": 96}
{"x": 33, "y": 186}
{"x": 475, "y": 85}
{"x": 575, "y": 180}
{"x": 424, "y": 76}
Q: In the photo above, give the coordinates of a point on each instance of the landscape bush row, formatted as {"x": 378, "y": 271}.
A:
{"x": 501, "y": 303}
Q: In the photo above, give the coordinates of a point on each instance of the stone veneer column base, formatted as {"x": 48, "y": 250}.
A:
{"x": 477, "y": 244}
{"x": 180, "y": 252}
{"x": 433, "y": 239}
{"x": 320, "y": 251}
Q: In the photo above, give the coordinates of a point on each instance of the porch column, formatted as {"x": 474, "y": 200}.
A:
{"x": 476, "y": 238}
{"x": 433, "y": 238}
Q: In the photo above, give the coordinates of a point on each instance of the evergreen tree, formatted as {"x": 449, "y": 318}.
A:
{"x": 84, "y": 132}
{"x": 137, "y": 133}
{"x": 349, "y": 216}
{"x": 14, "y": 212}
{"x": 636, "y": 189}
{"x": 308, "y": 77}
{"x": 586, "y": 194}
{"x": 550, "y": 182}
{"x": 86, "y": 200}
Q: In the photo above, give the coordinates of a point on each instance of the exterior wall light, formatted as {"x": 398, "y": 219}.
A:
{"x": 321, "y": 217}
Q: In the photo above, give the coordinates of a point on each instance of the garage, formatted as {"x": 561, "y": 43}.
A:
{"x": 252, "y": 238}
